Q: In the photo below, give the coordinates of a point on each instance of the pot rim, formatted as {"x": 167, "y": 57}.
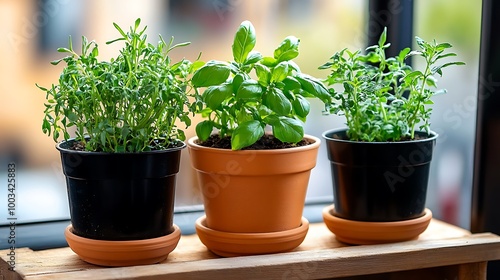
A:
{"x": 432, "y": 137}
{"x": 61, "y": 149}
{"x": 192, "y": 145}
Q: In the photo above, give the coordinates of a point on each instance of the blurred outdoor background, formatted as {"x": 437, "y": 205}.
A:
{"x": 32, "y": 30}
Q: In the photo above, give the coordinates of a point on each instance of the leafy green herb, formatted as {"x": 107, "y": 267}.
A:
{"x": 128, "y": 104}
{"x": 244, "y": 96}
{"x": 384, "y": 99}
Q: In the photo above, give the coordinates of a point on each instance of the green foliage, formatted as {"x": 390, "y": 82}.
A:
{"x": 244, "y": 96}
{"x": 384, "y": 99}
{"x": 128, "y": 104}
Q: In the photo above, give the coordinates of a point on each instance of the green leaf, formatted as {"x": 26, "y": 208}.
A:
{"x": 72, "y": 117}
{"x": 117, "y": 27}
{"x": 275, "y": 100}
{"x": 204, "y": 129}
{"x": 244, "y": 41}
{"x": 215, "y": 95}
{"x": 443, "y": 46}
{"x": 301, "y": 106}
{"x": 237, "y": 81}
{"x": 383, "y": 37}
{"x": 249, "y": 90}
{"x": 403, "y": 53}
{"x": 411, "y": 76}
{"x": 62, "y": 50}
{"x": 421, "y": 43}
{"x": 263, "y": 74}
{"x": 291, "y": 84}
{"x": 212, "y": 73}
{"x": 246, "y": 134}
{"x": 253, "y": 57}
{"x": 46, "y": 127}
{"x": 103, "y": 138}
{"x": 280, "y": 72}
{"x": 288, "y": 49}
{"x": 314, "y": 87}
{"x": 269, "y": 61}
{"x": 244, "y": 116}
{"x": 446, "y": 55}
{"x": 196, "y": 65}
{"x": 287, "y": 130}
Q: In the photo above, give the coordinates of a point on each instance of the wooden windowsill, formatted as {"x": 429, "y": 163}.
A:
{"x": 442, "y": 251}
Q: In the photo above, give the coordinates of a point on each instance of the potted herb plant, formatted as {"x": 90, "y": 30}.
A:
{"x": 380, "y": 163}
{"x": 121, "y": 166}
{"x": 253, "y": 182}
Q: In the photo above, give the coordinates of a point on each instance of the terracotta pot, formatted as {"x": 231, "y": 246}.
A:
{"x": 230, "y": 244}
{"x": 253, "y": 191}
{"x": 365, "y": 233}
{"x": 123, "y": 253}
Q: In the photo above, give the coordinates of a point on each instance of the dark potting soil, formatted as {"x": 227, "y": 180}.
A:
{"x": 79, "y": 146}
{"x": 407, "y": 138}
{"x": 266, "y": 142}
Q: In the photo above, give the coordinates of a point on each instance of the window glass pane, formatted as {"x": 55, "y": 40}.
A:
{"x": 324, "y": 27}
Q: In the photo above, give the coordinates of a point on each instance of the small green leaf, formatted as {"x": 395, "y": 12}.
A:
{"x": 103, "y": 138}
{"x": 253, "y": 57}
{"x": 421, "y": 43}
{"x": 204, "y": 129}
{"x": 263, "y": 74}
{"x": 291, "y": 84}
{"x": 117, "y": 27}
{"x": 244, "y": 116}
{"x": 280, "y": 72}
{"x": 314, "y": 87}
{"x": 137, "y": 23}
{"x": 446, "y": 55}
{"x": 269, "y": 61}
{"x": 383, "y": 37}
{"x": 301, "y": 106}
{"x": 196, "y": 65}
{"x": 62, "y": 50}
{"x": 288, "y": 49}
{"x": 46, "y": 127}
{"x": 403, "y": 53}
{"x": 413, "y": 75}
{"x": 275, "y": 100}
{"x": 215, "y": 95}
{"x": 212, "y": 73}
{"x": 288, "y": 130}
{"x": 246, "y": 134}
{"x": 249, "y": 90}
{"x": 443, "y": 46}
{"x": 72, "y": 117}
{"x": 237, "y": 81}
{"x": 244, "y": 41}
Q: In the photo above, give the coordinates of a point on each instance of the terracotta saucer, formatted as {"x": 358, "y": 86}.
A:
{"x": 364, "y": 233}
{"x": 229, "y": 244}
{"x": 123, "y": 253}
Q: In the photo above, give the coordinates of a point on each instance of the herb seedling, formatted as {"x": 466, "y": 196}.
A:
{"x": 128, "y": 104}
{"x": 244, "y": 96}
{"x": 384, "y": 99}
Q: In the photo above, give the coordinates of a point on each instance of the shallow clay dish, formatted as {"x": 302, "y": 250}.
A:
{"x": 228, "y": 244}
{"x": 123, "y": 253}
{"x": 363, "y": 233}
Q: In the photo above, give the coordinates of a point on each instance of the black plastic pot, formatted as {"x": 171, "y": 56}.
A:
{"x": 379, "y": 181}
{"x": 121, "y": 196}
